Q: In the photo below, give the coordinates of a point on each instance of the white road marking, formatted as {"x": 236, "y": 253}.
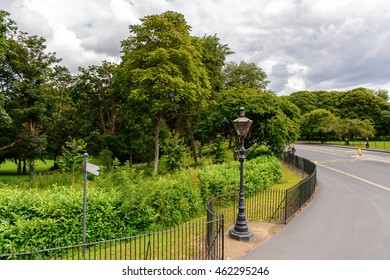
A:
{"x": 356, "y": 177}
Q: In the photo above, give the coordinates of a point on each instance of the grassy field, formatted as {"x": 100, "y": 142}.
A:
{"x": 289, "y": 179}
{"x": 380, "y": 145}
{"x": 10, "y": 168}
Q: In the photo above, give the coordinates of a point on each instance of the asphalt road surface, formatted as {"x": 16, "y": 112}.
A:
{"x": 348, "y": 219}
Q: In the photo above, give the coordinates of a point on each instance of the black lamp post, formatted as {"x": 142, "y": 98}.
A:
{"x": 241, "y": 231}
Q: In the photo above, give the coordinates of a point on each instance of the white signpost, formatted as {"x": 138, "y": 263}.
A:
{"x": 95, "y": 170}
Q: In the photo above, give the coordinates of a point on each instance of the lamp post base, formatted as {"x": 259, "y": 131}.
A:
{"x": 241, "y": 236}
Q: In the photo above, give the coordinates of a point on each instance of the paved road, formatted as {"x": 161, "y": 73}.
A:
{"x": 349, "y": 218}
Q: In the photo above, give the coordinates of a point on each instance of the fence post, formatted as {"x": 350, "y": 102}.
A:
{"x": 285, "y": 205}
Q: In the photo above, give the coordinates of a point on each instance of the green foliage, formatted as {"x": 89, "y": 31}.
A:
{"x": 162, "y": 69}
{"x": 275, "y": 120}
{"x": 260, "y": 173}
{"x": 257, "y": 151}
{"x": 354, "y": 128}
{"x": 122, "y": 199}
{"x": 45, "y": 218}
{"x": 359, "y": 103}
{"x": 318, "y": 124}
{"x": 106, "y": 157}
{"x": 174, "y": 152}
{"x": 383, "y": 93}
{"x": 162, "y": 201}
{"x": 72, "y": 156}
{"x": 218, "y": 150}
{"x": 244, "y": 74}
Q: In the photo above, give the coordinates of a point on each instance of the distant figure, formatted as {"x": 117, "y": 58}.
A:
{"x": 291, "y": 150}
{"x": 367, "y": 145}
{"x": 360, "y": 151}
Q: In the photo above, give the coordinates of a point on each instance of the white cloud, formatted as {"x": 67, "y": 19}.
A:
{"x": 301, "y": 44}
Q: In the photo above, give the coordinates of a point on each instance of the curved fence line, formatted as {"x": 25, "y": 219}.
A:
{"x": 203, "y": 240}
{"x": 269, "y": 205}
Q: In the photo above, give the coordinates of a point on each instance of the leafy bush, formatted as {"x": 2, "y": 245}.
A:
{"x": 174, "y": 152}
{"x": 121, "y": 200}
{"x": 257, "y": 151}
{"x": 260, "y": 173}
{"x": 45, "y": 218}
{"x": 162, "y": 201}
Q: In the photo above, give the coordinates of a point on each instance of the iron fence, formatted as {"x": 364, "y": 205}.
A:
{"x": 270, "y": 205}
{"x": 193, "y": 241}
{"x": 203, "y": 240}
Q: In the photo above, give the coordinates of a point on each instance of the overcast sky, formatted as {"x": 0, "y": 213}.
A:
{"x": 300, "y": 44}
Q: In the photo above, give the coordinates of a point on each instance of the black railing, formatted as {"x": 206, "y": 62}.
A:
{"x": 270, "y": 205}
{"x": 193, "y": 241}
{"x": 299, "y": 195}
{"x": 203, "y": 240}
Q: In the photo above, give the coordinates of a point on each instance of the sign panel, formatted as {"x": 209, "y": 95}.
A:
{"x": 92, "y": 168}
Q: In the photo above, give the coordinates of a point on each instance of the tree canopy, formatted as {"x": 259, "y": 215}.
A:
{"x": 365, "y": 107}
{"x": 170, "y": 87}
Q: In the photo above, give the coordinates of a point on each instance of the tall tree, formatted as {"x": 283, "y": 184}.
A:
{"x": 61, "y": 122}
{"x": 245, "y": 74}
{"x": 363, "y": 104}
{"x": 354, "y": 128}
{"x": 214, "y": 54}
{"x": 275, "y": 120}
{"x": 306, "y": 101}
{"x": 7, "y": 31}
{"x": 95, "y": 86}
{"x": 383, "y": 93}
{"x": 163, "y": 68}
{"x": 25, "y": 67}
{"x": 318, "y": 124}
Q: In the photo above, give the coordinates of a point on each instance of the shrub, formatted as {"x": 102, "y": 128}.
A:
{"x": 122, "y": 200}
{"x": 257, "y": 151}
{"x": 174, "y": 152}
{"x": 45, "y": 218}
{"x": 160, "y": 202}
{"x": 260, "y": 173}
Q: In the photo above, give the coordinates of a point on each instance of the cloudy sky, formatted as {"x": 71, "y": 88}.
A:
{"x": 300, "y": 44}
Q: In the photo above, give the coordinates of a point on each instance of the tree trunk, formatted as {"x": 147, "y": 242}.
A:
{"x": 31, "y": 169}
{"x": 157, "y": 142}
{"x": 31, "y": 133}
{"x": 131, "y": 159}
{"x": 20, "y": 167}
{"x": 24, "y": 167}
{"x": 194, "y": 146}
{"x": 73, "y": 174}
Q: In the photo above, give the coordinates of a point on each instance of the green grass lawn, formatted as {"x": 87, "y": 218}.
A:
{"x": 380, "y": 145}
{"x": 11, "y": 168}
{"x": 289, "y": 179}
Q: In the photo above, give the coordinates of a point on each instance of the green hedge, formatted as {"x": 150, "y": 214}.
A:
{"x": 260, "y": 173}
{"x": 55, "y": 216}
{"x": 121, "y": 201}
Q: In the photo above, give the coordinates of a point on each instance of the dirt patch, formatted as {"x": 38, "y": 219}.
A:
{"x": 261, "y": 232}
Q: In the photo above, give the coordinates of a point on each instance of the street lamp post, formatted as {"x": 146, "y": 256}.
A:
{"x": 241, "y": 231}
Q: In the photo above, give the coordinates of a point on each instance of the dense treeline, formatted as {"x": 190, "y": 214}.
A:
{"x": 171, "y": 92}
{"x": 355, "y": 113}
{"x": 170, "y": 87}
